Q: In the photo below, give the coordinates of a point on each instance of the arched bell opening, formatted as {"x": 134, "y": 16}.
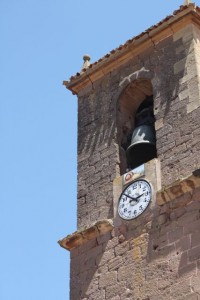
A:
{"x": 136, "y": 131}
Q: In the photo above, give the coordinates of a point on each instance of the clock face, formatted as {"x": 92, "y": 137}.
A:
{"x": 134, "y": 199}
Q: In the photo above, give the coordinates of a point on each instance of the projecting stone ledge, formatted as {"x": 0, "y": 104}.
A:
{"x": 178, "y": 188}
{"x": 82, "y": 236}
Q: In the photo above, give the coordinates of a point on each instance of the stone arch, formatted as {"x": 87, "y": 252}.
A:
{"x": 129, "y": 101}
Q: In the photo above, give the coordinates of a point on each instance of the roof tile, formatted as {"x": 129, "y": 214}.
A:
{"x": 130, "y": 41}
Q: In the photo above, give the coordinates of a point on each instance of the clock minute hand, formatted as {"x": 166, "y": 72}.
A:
{"x": 134, "y": 199}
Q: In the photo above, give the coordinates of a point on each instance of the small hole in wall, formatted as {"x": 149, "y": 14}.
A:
{"x": 155, "y": 247}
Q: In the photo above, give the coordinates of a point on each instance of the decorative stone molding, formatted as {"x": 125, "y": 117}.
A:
{"x": 178, "y": 188}
{"x": 80, "y": 237}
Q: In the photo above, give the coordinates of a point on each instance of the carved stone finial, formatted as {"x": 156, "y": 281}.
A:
{"x": 86, "y": 63}
{"x": 187, "y": 2}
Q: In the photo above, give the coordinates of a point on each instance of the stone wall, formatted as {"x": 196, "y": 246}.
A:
{"x": 172, "y": 65}
{"x": 177, "y": 112}
{"x": 156, "y": 257}
{"x": 97, "y": 153}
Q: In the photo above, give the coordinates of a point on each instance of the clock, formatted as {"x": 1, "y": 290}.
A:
{"x": 134, "y": 199}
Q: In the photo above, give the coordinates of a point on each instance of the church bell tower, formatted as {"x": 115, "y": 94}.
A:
{"x": 138, "y": 202}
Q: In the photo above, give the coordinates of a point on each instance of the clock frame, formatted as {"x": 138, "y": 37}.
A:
{"x": 135, "y": 199}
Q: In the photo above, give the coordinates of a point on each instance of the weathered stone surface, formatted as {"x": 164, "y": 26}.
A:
{"x": 157, "y": 256}
{"x": 176, "y": 110}
{"x": 108, "y": 279}
{"x": 164, "y": 258}
{"x": 82, "y": 236}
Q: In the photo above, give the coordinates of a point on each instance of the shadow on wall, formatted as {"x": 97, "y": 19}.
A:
{"x": 89, "y": 264}
{"x": 158, "y": 77}
{"x": 99, "y": 137}
{"x": 175, "y": 234}
{"x": 156, "y": 256}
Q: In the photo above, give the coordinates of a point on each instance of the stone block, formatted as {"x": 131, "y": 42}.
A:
{"x": 184, "y": 32}
{"x": 104, "y": 258}
{"x": 195, "y": 239}
{"x": 108, "y": 279}
{"x": 125, "y": 273}
{"x": 192, "y": 106}
{"x": 159, "y": 124}
{"x": 115, "y": 263}
{"x": 180, "y": 290}
{"x": 192, "y": 227}
{"x": 195, "y": 284}
{"x": 183, "y": 243}
{"x": 187, "y": 271}
{"x": 122, "y": 248}
{"x": 115, "y": 290}
{"x": 115, "y": 298}
{"x": 192, "y": 296}
{"x": 99, "y": 295}
{"x": 179, "y": 66}
{"x": 175, "y": 234}
{"x": 194, "y": 254}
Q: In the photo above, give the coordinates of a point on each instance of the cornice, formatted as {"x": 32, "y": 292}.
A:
{"x": 179, "y": 188}
{"x": 164, "y": 196}
{"x": 84, "y": 235}
{"x": 150, "y": 38}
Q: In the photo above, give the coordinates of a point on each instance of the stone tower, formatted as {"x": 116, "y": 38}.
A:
{"x": 154, "y": 255}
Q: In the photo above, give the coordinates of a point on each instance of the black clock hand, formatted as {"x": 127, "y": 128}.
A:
{"x": 139, "y": 196}
{"x": 134, "y": 199}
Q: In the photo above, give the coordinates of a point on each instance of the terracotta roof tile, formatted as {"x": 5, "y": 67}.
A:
{"x": 130, "y": 41}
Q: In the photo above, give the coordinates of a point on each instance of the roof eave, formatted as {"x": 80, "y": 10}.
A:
{"x": 188, "y": 14}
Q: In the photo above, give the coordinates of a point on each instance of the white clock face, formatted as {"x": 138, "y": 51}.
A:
{"x": 134, "y": 199}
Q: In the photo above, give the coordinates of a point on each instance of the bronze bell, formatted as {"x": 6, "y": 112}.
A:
{"x": 143, "y": 141}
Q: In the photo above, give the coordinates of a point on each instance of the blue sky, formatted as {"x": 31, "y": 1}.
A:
{"x": 42, "y": 44}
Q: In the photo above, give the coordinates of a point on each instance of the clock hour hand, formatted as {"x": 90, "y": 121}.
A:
{"x": 139, "y": 196}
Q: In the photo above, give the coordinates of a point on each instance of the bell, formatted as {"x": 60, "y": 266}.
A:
{"x": 143, "y": 146}
{"x": 143, "y": 141}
